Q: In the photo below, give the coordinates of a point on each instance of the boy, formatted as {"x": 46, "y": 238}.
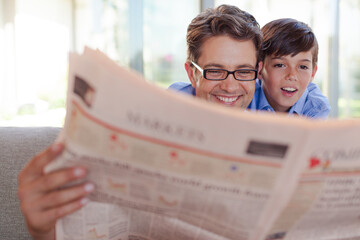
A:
{"x": 289, "y": 55}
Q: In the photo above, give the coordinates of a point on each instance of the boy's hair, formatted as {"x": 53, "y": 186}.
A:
{"x": 223, "y": 20}
{"x": 288, "y": 36}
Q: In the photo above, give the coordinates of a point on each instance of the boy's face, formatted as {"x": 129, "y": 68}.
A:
{"x": 285, "y": 78}
{"x": 224, "y": 52}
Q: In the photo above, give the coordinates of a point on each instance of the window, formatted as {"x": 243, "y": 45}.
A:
{"x": 148, "y": 36}
{"x": 349, "y": 58}
{"x": 36, "y": 36}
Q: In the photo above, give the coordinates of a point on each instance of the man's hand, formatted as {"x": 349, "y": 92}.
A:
{"x": 41, "y": 199}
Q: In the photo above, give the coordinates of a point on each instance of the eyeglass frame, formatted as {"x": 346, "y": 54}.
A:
{"x": 203, "y": 72}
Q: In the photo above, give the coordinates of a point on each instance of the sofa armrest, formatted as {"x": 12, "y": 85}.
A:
{"x": 17, "y": 146}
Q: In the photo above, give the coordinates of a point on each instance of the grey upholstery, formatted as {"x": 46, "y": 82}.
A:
{"x": 17, "y": 146}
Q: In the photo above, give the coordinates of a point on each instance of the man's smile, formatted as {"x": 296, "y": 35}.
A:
{"x": 227, "y": 99}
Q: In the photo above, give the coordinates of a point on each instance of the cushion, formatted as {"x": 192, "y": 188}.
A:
{"x": 17, "y": 146}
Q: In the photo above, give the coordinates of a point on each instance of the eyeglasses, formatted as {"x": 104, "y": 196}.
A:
{"x": 214, "y": 74}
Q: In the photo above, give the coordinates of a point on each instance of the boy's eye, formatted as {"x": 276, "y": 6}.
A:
{"x": 304, "y": 67}
{"x": 278, "y": 65}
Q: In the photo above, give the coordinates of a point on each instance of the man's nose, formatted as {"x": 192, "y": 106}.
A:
{"x": 230, "y": 84}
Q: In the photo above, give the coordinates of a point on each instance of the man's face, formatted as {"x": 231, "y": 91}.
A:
{"x": 286, "y": 78}
{"x": 224, "y": 52}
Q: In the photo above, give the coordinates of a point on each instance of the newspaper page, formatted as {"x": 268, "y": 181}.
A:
{"x": 326, "y": 201}
{"x": 170, "y": 166}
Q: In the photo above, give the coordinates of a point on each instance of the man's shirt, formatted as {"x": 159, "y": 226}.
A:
{"x": 183, "y": 87}
{"x": 312, "y": 103}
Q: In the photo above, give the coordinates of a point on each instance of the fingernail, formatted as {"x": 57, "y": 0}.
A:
{"x": 78, "y": 172}
{"x": 84, "y": 201}
{"x": 89, "y": 187}
{"x": 56, "y": 147}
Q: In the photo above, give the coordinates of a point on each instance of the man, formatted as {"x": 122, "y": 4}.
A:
{"x": 223, "y": 51}
{"x": 222, "y": 56}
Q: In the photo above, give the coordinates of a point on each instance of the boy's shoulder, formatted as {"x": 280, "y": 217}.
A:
{"x": 316, "y": 104}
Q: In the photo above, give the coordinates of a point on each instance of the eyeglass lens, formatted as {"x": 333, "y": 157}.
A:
{"x": 220, "y": 74}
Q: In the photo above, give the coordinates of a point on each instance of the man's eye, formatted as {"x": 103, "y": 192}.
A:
{"x": 215, "y": 72}
{"x": 243, "y": 72}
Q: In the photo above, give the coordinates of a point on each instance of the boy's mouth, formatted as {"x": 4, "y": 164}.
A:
{"x": 289, "y": 89}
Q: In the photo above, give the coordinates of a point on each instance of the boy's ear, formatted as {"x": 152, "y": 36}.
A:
{"x": 314, "y": 72}
{"x": 260, "y": 66}
{"x": 190, "y": 73}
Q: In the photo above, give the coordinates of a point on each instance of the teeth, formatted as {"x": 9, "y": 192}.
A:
{"x": 289, "y": 89}
{"x": 227, "y": 99}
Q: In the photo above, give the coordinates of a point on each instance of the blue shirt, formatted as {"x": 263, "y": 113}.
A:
{"x": 311, "y": 104}
{"x": 183, "y": 87}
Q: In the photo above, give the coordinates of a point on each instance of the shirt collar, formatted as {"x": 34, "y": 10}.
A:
{"x": 299, "y": 105}
{"x": 263, "y": 102}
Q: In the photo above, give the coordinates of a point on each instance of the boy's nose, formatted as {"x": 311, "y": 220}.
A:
{"x": 291, "y": 75}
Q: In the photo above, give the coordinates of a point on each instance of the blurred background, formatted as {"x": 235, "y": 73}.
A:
{"x": 149, "y": 36}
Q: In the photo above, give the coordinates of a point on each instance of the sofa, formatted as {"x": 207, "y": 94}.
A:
{"x": 17, "y": 146}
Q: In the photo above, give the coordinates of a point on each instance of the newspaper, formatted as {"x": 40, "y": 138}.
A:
{"x": 170, "y": 166}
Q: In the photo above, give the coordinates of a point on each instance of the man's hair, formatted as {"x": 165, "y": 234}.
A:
{"x": 224, "y": 20}
{"x": 288, "y": 36}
